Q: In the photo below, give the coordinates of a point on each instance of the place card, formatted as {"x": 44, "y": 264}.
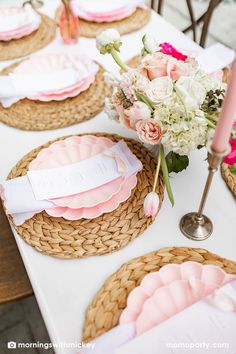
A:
{"x": 82, "y": 176}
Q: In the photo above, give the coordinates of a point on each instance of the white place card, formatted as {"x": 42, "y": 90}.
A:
{"x": 201, "y": 328}
{"x": 82, "y": 176}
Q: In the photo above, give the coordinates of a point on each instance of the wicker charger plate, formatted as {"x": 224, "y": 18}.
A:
{"x": 229, "y": 177}
{"x": 104, "y": 312}
{"x": 17, "y": 48}
{"x": 37, "y": 115}
{"x": 129, "y": 24}
{"x": 109, "y": 232}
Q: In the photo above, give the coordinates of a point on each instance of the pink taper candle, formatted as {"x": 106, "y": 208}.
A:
{"x": 227, "y": 116}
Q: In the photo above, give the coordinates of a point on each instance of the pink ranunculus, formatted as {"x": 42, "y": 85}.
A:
{"x": 156, "y": 65}
{"x": 177, "y": 69}
{"x": 135, "y": 113}
{"x": 167, "y": 48}
{"x": 149, "y": 131}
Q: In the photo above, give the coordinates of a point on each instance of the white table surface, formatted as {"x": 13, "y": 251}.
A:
{"x": 64, "y": 288}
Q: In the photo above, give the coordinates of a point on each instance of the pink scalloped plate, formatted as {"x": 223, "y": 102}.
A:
{"x": 30, "y": 24}
{"x": 84, "y": 68}
{"x": 174, "y": 287}
{"x": 94, "y": 202}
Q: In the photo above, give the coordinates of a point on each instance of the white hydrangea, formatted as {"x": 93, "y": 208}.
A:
{"x": 184, "y": 131}
{"x": 112, "y": 79}
{"x": 110, "y": 110}
{"x": 108, "y": 36}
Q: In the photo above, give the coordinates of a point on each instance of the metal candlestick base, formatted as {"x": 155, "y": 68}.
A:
{"x": 195, "y": 227}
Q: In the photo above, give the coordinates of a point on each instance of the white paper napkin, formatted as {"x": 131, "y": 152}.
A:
{"x": 215, "y": 57}
{"x": 25, "y": 16}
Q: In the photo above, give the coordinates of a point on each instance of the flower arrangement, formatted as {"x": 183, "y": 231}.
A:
{"x": 167, "y": 100}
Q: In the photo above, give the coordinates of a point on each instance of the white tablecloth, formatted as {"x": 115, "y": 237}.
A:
{"x": 64, "y": 288}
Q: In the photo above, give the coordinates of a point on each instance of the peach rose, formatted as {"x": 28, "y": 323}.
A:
{"x": 156, "y": 65}
{"x": 149, "y": 131}
{"x": 177, "y": 68}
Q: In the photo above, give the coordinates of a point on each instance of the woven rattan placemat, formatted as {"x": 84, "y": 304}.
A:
{"x": 17, "y": 48}
{"x": 229, "y": 177}
{"x": 37, "y": 115}
{"x": 109, "y": 232}
{"x": 129, "y": 24}
{"x": 104, "y": 312}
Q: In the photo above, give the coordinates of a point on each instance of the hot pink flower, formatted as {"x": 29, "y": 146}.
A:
{"x": 149, "y": 131}
{"x": 168, "y": 49}
{"x": 230, "y": 159}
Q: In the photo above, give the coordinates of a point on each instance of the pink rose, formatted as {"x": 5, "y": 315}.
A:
{"x": 149, "y": 131}
{"x": 177, "y": 68}
{"x": 135, "y": 113}
{"x": 156, "y": 65}
{"x": 167, "y": 48}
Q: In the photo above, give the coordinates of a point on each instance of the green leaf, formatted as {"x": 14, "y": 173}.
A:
{"x": 233, "y": 169}
{"x": 176, "y": 163}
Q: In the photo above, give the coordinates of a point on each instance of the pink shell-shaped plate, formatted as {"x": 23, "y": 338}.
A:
{"x": 170, "y": 290}
{"x": 30, "y": 25}
{"x": 87, "y": 204}
{"x": 52, "y": 63}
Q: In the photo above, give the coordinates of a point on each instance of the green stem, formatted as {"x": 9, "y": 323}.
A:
{"x": 146, "y": 100}
{"x": 118, "y": 60}
{"x": 157, "y": 172}
{"x": 166, "y": 176}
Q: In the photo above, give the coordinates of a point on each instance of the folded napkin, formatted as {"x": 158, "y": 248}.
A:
{"x": 13, "y": 18}
{"x": 39, "y": 77}
{"x": 106, "y": 10}
{"x": 110, "y": 341}
{"x": 215, "y": 58}
{"x": 28, "y": 195}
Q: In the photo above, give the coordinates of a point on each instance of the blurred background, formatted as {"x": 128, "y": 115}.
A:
{"x": 20, "y": 320}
